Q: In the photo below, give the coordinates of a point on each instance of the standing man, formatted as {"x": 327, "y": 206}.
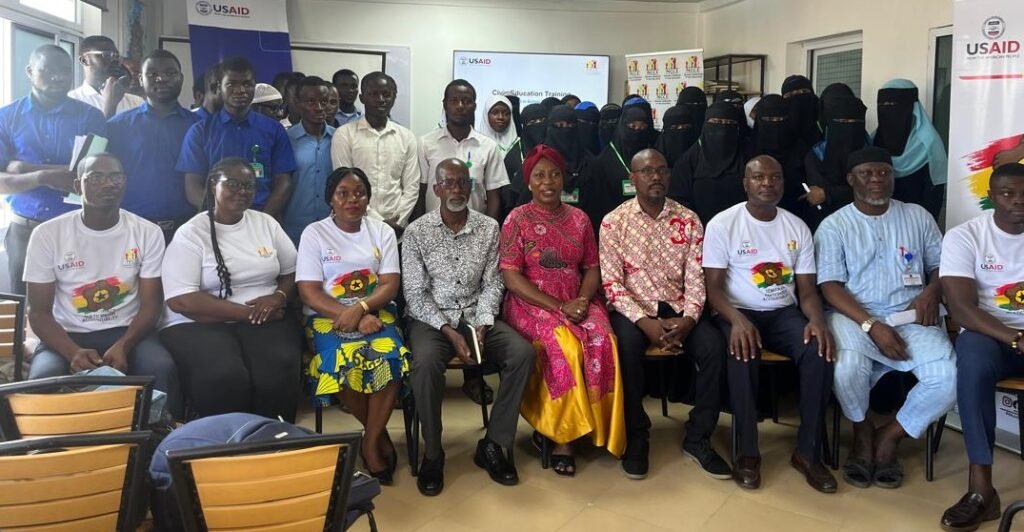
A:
{"x": 37, "y": 136}
{"x": 878, "y": 257}
{"x": 237, "y": 131}
{"x": 94, "y": 288}
{"x": 332, "y": 106}
{"x": 210, "y": 101}
{"x": 147, "y": 140}
{"x": 651, "y": 269}
{"x": 311, "y": 141}
{"x": 106, "y": 79}
{"x": 347, "y": 83}
{"x": 458, "y": 139}
{"x": 760, "y": 275}
{"x": 451, "y": 280}
{"x": 983, "y": 277}
{"x": 384, "y": 150}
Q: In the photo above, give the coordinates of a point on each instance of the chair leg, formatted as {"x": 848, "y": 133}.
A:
{"x": 940, "y": 426}
{"x": 664, "y": 388}
{"x": 319, "y": 419}
{"x": 545, "y": 452}
{"x": 929, "y": 455}
{"x": 1020, "y": 421}
{"x": 835, "y": 434}
{"x": 412, "y": 435}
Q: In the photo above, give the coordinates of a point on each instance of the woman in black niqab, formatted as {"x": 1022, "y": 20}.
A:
{"x": 798, "y": 91}
{"x": 609, "y": 185}
{"x": 678, "y": 133}
{"x": 825, "y": 164}
{"x": 697, "y": 102}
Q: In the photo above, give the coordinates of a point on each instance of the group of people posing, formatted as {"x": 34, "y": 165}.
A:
{"x": 567, "y": 241}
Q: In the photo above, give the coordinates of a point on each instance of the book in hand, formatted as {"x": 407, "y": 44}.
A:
{"x": 85, "y": 145}
{"x": 472, "y": 340}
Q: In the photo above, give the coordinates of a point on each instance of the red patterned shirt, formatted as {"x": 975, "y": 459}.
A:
{"x": 647, "y": 260}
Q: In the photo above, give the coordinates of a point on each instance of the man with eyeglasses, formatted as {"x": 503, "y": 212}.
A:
{"x": 147, "y": 140}
{"x": 311, "y": 142}
{"x": 37, "y": 137}
{"x": 106, "y": 79}
{"x": 94, "y": 288}
{"x": 760, "y": 275}
{"x": 878, "y": 265}
{"x": 650, "y": 249}
{"x": 450, "y": 278}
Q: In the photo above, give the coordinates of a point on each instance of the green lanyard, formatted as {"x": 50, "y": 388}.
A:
{"x": 617, "y": 154}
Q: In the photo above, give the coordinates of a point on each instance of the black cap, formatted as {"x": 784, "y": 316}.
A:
{"x": 869, "y": 154}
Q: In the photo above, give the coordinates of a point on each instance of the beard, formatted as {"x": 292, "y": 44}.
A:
{"x": 874, "y": 202}
{"x": 456, "y": 206}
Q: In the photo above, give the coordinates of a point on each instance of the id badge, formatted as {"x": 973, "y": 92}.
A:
{"x": 571, "y": 197}
{"x": 912, "y": 279}
{"x": 628, "y": 189}
{"x": 257, "y": 168}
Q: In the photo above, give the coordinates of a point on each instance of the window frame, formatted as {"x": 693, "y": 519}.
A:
{"x": 933, "y": 39}
{"x": 815, "y": 48}
{"x": 61, "y": 30}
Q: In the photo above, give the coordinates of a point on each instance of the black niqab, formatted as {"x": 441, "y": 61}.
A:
{"x": 610, "y": 114}
{"x": 533, "y": 134}
{"x": 842, "y": 138}
{"x": 678, "y": 133}
{"x": 832, "y": 91}
{"x": 695, "y": 99}
{"x": 719, "y": 143}
{"x": 895, "y": 118}
{"x": 803, "y": 108}
{"x": 587, "y": 122}
{"x": 550, "y": 102}
{"x": 516, "y": 120}
{"x": 628, "y": 141}
{"x": 774, "y": 128}
{"x": 564, "y": 139}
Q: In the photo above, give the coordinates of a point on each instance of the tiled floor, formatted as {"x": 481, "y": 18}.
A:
{"x": 675, "y": 496}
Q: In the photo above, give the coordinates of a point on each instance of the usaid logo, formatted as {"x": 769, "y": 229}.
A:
{"x": 475, "y": 61}
{"x": 204, "y": 8}
{"x": 993, "y": 28}
{"x": 990, "y": 264}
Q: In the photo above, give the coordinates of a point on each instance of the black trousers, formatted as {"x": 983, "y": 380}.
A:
{"x": 704, "y": 347}
{"x": 781, "y": 332}
{"x": 238, "y": 367}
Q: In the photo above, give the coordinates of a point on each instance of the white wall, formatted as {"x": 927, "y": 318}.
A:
{"x": 895, "y": 36}
{"x": 432, "y": 32}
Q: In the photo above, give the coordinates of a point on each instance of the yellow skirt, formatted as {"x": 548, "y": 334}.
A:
{"x": 578, "y": 412}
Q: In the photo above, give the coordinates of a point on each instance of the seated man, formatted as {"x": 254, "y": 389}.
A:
{"x": 878, "y": 257}
{"x": 753, "y": 253}
{"x": 450, "y": 278}
{"x": 94, "y": 290}
{"x": 983, "y": 277}
{"x": 651, "y": 272}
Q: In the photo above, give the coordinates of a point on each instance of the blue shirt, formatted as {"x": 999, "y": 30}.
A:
{"x": 201, "y": 112}
{"x": 148, "y": 147}
{"x": 343, "y": 118}
{"x": 34, "y": 135}
{"x": 255, "y": 138}
{"x": 870, "y": 254}
{"x": 307, "y": 203}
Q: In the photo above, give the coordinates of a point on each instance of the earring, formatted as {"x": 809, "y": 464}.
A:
{"x": 332, "y": 213}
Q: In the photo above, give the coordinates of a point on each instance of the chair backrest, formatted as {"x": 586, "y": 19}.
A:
{"x": 79, "y": 483}
{"x": 27, "y": 411}
{"x": 299, "y": 484}
{"x": 12, "y": 330}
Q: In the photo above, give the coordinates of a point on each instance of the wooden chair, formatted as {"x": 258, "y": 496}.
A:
{"x": 299, "y": 484}
{"x": 1015, "y": 386}
{"x": 73, "y": 483}
{"x": 30, "y": 409}
{"x": 412, "y": 417}
{"x": 12, "y": 331}
{"x": 1008, "y": 514}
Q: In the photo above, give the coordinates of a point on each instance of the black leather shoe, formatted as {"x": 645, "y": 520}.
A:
{"x": 747, "y": 472}
{"x": 815, "y": 473}
{"x": 430, "y": 479}
{"x": 491, "y": 458}
{"x": 709, "y": 461}
{"x": 635, "y": 460}
{"x": 970, "y": 512}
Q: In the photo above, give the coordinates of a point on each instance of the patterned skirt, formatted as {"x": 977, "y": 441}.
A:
{"x": 366, "y": 364}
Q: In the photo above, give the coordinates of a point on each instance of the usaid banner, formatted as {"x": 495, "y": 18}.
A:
{"x": 660, "y": 76}
{"x": 986, "y": 126}
{"x": 254, "y": 29}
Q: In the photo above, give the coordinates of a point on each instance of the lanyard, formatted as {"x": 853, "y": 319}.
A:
{"x": 617, "y": 154}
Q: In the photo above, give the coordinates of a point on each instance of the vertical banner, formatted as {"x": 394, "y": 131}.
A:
{"x": 254, "y": 29}
{"x": 660, "y": 76}
{"x": 986, "y": 125}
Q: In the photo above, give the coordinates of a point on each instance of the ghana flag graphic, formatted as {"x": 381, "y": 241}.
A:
{"x": 104, "y": 294}
{"x": 1011, "y": 297}
{"x": 766, "y": 274}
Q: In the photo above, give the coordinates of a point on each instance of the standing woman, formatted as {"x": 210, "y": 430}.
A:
{"x": 588, "y": 118}
{"x": 497, "y": 124}
{"x": 918, "y": 155}
{"x": 798, "y": 91}
{"x": 535, "y": 127}
{"x": 228, "y": 275}
{"x": 609, "y": 120}
{"x": 549, "y": 262}
{"x": 348, "y": 277}
{"x": 678, "y": 133}
{"x": 609, "y": 185}
{"x": 697, "y": 102}
{"x": 825, "y": 164}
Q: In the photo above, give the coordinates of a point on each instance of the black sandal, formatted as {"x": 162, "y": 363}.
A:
{"x": 858, "y": 472}
{"x": 561, "y": 463}
{"x": 888, "y": 476}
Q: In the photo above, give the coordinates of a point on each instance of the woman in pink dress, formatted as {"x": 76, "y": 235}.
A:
{"x": 549, "y": 262}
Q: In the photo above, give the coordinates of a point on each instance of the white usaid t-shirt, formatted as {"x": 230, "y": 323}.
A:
{"x": 346, "y": 264}
{"x": 96, "y": 272}
{"x": 761, "y": 258}
{"x": 256, "y": 251}
{"x": 981, "y": 251}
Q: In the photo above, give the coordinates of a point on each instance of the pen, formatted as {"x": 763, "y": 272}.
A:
{"x": 808, "y": 190}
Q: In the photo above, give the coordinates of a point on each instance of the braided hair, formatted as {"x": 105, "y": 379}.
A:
{"x": 216, "y": 172}
{"x": 341, "y": 173}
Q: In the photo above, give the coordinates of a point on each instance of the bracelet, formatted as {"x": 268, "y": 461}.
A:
{"x": 366, "y": 308}
{"x": 284, "y": 295}
{"x": 1015, "y": 344}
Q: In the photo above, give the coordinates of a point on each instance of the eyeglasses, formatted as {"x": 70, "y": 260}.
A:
{"x": 100, "y": 178}
{"x": 452, "y": 184}
{"x": 235, "y": 185}
{"x": 344, "y": 195}
{"x": 105, "y": 54}
{"x": 766, "y": 178}
{"x": 649, "y": 172}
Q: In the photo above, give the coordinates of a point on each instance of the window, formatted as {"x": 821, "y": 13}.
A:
{"x": 63, "y": 9}
{"x": 23, "y": 41}
{"x": 940, "y": 77}
{"x": 836, "y": 64}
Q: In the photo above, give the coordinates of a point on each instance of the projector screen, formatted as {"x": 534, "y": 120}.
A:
{"x": 532, "y": 77}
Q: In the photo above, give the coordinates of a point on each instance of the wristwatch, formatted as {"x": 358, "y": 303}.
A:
{"x": 867, "y": 324}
